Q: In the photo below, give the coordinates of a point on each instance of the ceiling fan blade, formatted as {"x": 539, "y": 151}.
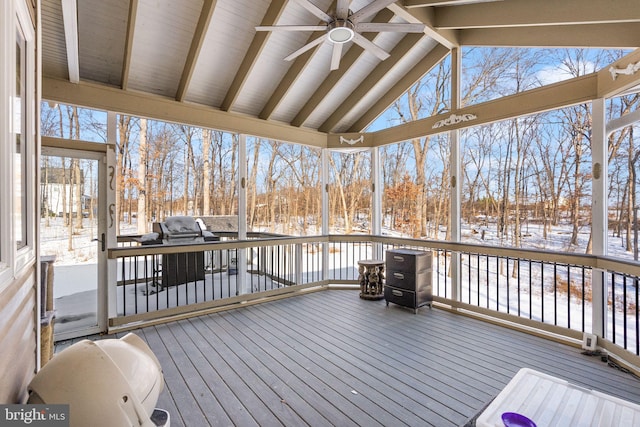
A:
{"x": 336, "y": 55}
{"x": 315, "y": 10}
{"x": 291, "y": 28}
{"x": 374, "y": 27}
{"x": 306, "y": 47}
{"x": 370, "y": 46}
{"x": 369, "y": 10}
{"x": 342, "y": 9}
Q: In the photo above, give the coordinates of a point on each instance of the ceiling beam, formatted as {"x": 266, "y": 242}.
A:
{"x": 334, "y": 76}
{"x": 160, "y": 108}
{"x": 448, "y": 38}
{"x": 70, "y": 19}
{"x": 194, "y": 50}
{"x": 292, "y": 75}
{"x": 622, "y": 35}
{"x": 557, "y": 95}
{"x": 258, "y": 43}
{"x": 423, "y": 67}
{"x": 398, "y": 52}
{"x": 514, "y": 13}
{"x": 128, "y": 45}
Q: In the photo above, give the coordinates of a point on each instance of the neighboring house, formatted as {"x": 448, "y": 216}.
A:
{"x": 56, "y": 192}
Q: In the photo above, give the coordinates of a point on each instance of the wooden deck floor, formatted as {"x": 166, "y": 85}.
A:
{"x": 332, "y": 359}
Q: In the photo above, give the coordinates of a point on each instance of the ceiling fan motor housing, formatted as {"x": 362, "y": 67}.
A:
{"x": 340, "y": 31}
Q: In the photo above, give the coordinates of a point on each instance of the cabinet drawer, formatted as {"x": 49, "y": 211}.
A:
{"x": 409, "y": 280}
{"x": 407, "y": 260}
{"x": 400, "y": 296}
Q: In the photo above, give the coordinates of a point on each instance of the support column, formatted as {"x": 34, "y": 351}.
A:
{"x": 325, "y": 211}
{"x": 455, "y": 177}
{"x": 110, "y": 214}
{"x": 599, "y": 223}
{"x": 376, "y": 201}
{"x": 242, "y": 281}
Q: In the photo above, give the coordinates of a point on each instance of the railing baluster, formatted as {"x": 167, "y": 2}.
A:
{"x": 624, "y": 308}
{"x": 542, "y": 289}
{"x": 124, "y": 287}
{"x": 613, "y": 306}
{"x": 530, "y": 290}
{"x": 478, "y": 278}
{"x": 569, "y": 296}
{"x": 508, "y": 286}
{"x": 497, "y": 283}
{"x": 555, "y": 293}
{"x": 487, "y": 280}
{"x": 469, "y": 276}
{"x": 637, "y": 325}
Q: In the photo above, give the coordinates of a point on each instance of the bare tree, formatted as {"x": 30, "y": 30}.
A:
{"x": 351, "y": 178}
{"x": 394, "y": 159}
{"x": 142, "y": 181}
{"x": 412, "y": 107}
{"x": 125, "y": 128}
{"x": 253, "y": 185}
{"x": 206, "y": 172}
{"x": 303, "y": 165}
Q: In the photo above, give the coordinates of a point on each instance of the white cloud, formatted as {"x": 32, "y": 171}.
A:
{"x": 557, "y": 73}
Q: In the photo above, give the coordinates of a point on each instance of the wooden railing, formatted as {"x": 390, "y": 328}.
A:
{"x": 548, "y": 291}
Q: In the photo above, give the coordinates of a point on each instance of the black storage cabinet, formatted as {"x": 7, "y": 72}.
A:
{"x": 408, "y": 281}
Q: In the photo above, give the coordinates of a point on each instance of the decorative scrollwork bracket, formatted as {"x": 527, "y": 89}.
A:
{"x": 628, "y": 70}
{"x": 344, "y": 140}
{"x": 454, "y": 119}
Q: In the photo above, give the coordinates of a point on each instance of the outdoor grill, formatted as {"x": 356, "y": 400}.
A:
{"x": 182, "y": 267}
{"x": 179, "y": 230}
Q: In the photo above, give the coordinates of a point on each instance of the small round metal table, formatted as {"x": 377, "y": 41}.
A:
{"x": 371, "y": 279}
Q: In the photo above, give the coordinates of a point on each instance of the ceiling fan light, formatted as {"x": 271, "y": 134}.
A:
{"x": 341, "y": 31}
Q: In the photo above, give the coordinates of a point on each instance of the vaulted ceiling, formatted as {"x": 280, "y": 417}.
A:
{"x": 205, "y": 57}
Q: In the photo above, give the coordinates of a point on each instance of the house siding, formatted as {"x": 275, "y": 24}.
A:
{"x": 18, "y": 358}
{"x": 19, "y": 290}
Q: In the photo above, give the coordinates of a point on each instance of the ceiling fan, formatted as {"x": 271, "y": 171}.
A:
{"x": 344, "y": 26}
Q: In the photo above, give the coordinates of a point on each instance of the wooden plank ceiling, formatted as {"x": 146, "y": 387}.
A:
{"x": 208, "y": 54}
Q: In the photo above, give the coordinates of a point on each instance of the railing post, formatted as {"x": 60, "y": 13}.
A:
{"x": 297, "y": 266}
{"x": 242, "y": 282}
{"x": 111, "y": 218}
{"x": 599, "y": 223}
{"x": 455, "y": 177}
{"x": 376, "y": 201}
{"x": 325, "y": 212}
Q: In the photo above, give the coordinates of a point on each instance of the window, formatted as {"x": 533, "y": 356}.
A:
{"x": 20, "y": 153}
{"x": 17, "y": 139}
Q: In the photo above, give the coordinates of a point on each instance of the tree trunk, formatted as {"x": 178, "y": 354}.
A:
{"x": 185, "y": 190}
{"x": 253, "y": 185}
{"x": 141, "y": 218}
{"x": 124, "y": 130}
{"x": 206, "y": 172}
{"x": 77, "y": 187}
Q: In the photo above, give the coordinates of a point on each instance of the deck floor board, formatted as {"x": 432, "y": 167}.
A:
{"x": 369, "y": 358}
{"x": 331, "y": 358}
